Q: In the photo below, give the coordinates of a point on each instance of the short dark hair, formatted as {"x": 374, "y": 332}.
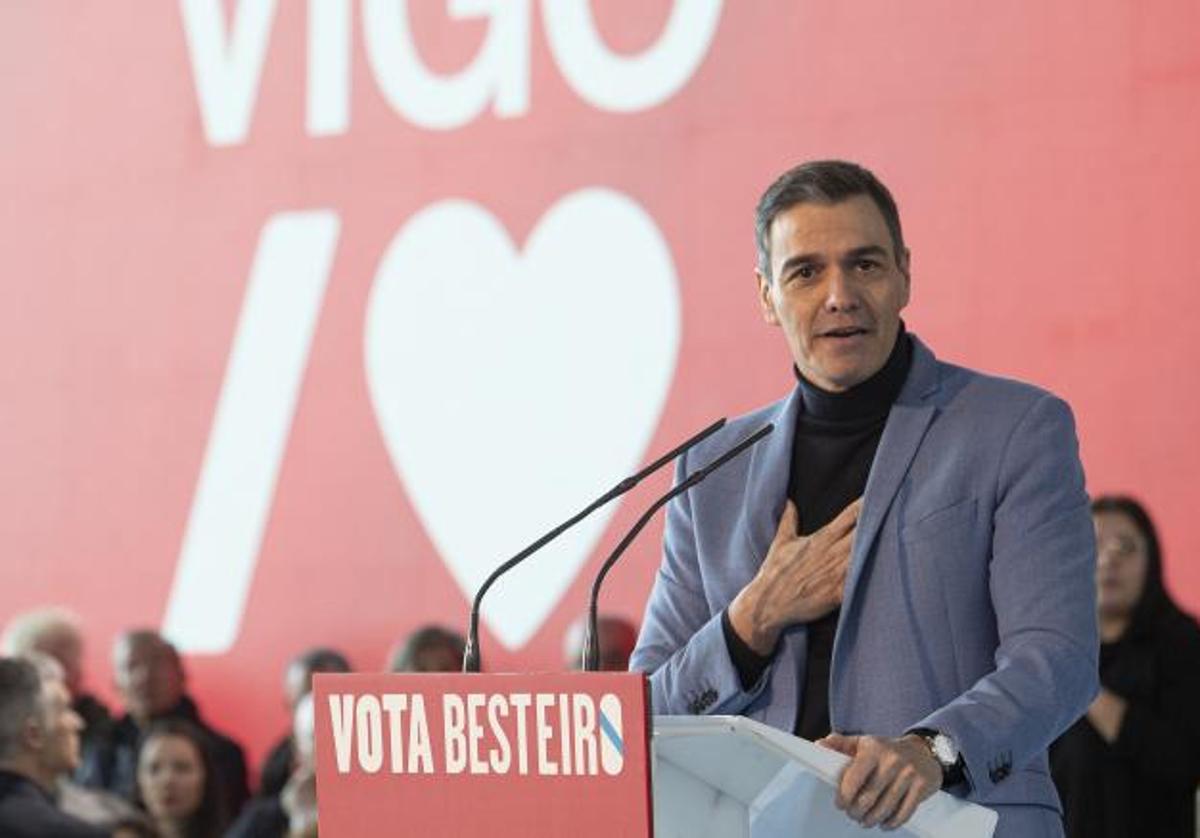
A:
{"x": 321, "y": 659}
{"x": 20, "y": 695}
{"x": 152, "y": 639}
{"x": 822, "y": 182}
{"x": 405, "y": 658}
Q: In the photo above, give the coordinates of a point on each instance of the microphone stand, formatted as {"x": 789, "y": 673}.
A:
{"x": 471, "y": 657}
{"x": 591, "y": 643}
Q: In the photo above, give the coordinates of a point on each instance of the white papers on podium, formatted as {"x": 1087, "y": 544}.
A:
{"x": 733, "y": 777}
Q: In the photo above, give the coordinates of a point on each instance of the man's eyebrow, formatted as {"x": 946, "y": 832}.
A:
{"x": 798, "y": 259}
{"x": 856, "y": 253}
{"x": 868, "y": 250}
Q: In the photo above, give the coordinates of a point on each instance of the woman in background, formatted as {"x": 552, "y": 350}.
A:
{"x": 174, "y": 782}
{"x": 1130, "y": 766}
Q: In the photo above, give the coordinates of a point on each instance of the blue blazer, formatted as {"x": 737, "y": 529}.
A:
{"x": 969, "y": 606}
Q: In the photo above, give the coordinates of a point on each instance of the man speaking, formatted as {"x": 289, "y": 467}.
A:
{"x": 903, "y": 571}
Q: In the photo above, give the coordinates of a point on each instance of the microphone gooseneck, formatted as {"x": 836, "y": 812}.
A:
{"x": 471, "y": 657}
{"x": 591, "y": 642}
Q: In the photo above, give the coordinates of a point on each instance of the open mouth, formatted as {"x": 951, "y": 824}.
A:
{"x": 844, "y": 332}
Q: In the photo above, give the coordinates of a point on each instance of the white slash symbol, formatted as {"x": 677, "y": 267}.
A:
{"x": 250, "y": 430}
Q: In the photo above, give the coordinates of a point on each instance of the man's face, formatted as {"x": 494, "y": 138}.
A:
{"x": 297, "y": 682}
{"x": 148, "y": 676}
{"x": 61, "y": 726}
{"x": 836, "y": 289}
{"x": 303, "y": 732}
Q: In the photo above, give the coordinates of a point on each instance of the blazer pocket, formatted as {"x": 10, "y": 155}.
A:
{"x": 943, "y": 520}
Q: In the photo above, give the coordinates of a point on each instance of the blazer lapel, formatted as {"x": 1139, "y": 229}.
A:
{"x": 906, "y": 425}
{"x": 770, "y": 468}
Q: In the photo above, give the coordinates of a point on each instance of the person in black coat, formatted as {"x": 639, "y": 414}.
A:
{"x": 39, "y": 744}
{"x": 150, "y": 677}
{"x": 293, "y": 812}
{"x": 57, "y": 632}
{"x": 297, "y": 683}
{"x": 1130, "y": 766}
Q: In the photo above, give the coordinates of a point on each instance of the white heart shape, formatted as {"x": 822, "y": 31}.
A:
{"x": 512, "y": 389}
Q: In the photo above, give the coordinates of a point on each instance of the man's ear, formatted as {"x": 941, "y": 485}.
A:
{"x": 905, "y": 265}
{"x": 766, "y": 300}
{"x": 33, "y": 732}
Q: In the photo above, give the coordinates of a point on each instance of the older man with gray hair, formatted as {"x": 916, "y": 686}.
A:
{"x": 151, "y": 679}
{"x": 55, "y": 631}
{"x": 39, "y": 744}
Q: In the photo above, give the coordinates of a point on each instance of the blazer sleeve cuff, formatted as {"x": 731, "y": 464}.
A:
{"x": 701, "y": 678}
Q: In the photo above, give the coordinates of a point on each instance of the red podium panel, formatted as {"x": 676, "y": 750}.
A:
{"x": 483, "y": 755}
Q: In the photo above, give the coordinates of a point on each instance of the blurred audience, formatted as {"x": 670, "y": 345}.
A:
{"x": 177, "y": 783}
{"x": 1130, "y": 766}
{"x": 428, "y": 649}
{"x": 135, "y": 828}
{"x": 297, "y": 683}
{"x": 150, "y": 678}
{"x": 56, "y": 632}
{"x": 39, "y": 745}
{"x": 293, "y": 812}
{"x": 96, "y": 806}
{"x": 618, "y": 636}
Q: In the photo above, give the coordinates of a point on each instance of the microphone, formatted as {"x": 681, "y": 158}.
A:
{"x": 591, "y": 642}
{"x": 471, "y": 659}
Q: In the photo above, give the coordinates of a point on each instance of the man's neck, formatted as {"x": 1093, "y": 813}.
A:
{"x": 869, "y": 398}
{"x": 30, "y": 770}
{"x": 140, "y": 720}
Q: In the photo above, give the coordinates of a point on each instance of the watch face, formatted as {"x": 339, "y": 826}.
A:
{"x": 944, "y": 749}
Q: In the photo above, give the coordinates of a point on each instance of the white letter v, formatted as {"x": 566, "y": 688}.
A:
{"x": 227, "y": 74}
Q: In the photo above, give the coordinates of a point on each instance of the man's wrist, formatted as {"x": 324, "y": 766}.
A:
{"x": 944, "y": 752}
{"x": 750, "y": 665}
{"x": 746, "y": 620}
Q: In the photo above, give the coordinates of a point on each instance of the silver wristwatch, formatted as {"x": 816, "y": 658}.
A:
{"x": 946, "y": 752}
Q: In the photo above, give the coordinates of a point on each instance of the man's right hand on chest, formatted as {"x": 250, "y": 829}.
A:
{"x": 800, "y": 581}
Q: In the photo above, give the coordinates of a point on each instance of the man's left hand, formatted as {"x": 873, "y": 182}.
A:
{"x": 886, "y": 779}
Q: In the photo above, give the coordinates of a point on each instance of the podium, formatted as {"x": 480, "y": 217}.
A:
{"x": 558, "y": 754}
{"x": 571, "y": 754}
{"x": 733, "y": 777}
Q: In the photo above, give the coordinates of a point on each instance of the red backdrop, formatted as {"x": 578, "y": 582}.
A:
{"x": 311, "y": 311}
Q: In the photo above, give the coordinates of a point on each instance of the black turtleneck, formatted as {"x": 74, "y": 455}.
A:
{"x": 834, "y": 444}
